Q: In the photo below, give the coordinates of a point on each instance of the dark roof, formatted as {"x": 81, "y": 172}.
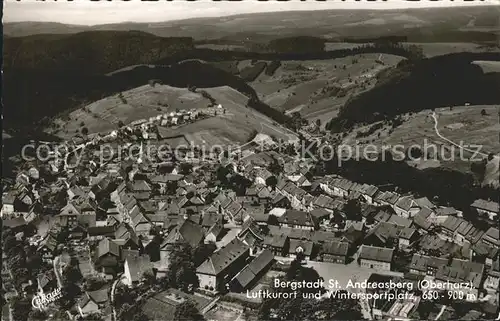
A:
{"x": 376, "y": 253}
{"x": 223, "y": 258}
{"x": 423, "y": 263}
{"x": 188, "y": 231}
{"x": 101, "y": 230}
{"x": 486, "y": 205}
{"x": 320, "y": 213}
{"x": 249, "y": 272}
{"x": 307, "y": 246}
{"x": 461, "y": 271}
{"x": 163, "y": 305}
{"x": 421, "y": 219}
{"x": 277, "y": 240}
{"x": 335, "y": 248}
{"x": 106, "y": 246}
{"x": 398, "y": 220}
{"x": 210, "y": 219}
{"x": 251, "y": 226}
{"x": 295, "y": 217}
{"x": 167, "y": 178}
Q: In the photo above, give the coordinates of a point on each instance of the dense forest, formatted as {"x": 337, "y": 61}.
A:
{"x": 90, "y": 52}
{"x": 48, "y": 74}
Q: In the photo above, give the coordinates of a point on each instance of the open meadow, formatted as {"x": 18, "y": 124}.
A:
{"x": 318, "y": 88}
{"x": 463, "y": 125}
{"x": 236, "y": 125}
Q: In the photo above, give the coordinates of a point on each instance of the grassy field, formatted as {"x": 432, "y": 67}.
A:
{"x": 442, "y": 48}
{"x": 488, "y": 66}
{"x": 220, "y": 47}
{"x": 330, "y": 46}
{"x": 141, "y": 102}
{"x": 307, "y": 86}
{"x": 462, "y": 124}
{"x": 236, "y": 126}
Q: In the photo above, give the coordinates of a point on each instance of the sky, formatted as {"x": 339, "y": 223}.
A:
{"x": 86, "y": 12}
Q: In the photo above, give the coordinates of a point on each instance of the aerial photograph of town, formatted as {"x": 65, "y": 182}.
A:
{"x": 250, "y": 161}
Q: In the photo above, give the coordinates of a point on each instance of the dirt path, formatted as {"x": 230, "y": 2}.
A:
{"x": 113, "y": 288}
{"x": 57, "y": 270}
{"x": 443, "y": 308}
{"x": 452, "y": 142}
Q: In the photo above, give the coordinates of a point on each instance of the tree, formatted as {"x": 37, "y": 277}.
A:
{"x": 271, "y": 181}
{"x": 120, "y": 124}
{"x": 186, "y": 168}
{"x": 202, "y": 252}
{"x": 9, "y": 244}
{"x": 187, "y": 311}
{"x": 483, "y": 112}
{"x": 69, "y": 294}
{"x": 21, "y": 308}
{"x": 94, "y": 283}
{"x": 181, "y": 273}
{"x": 353, "y": 210}
{"x": 85, "y": 131}
{"x": 149, "y": 278}
{"x": 275, "y": 167}
{"x": 71, "y": 274}
{"x": 38, "y": 315}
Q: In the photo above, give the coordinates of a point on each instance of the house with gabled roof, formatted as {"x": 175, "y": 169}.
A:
{"x": 303, "y": 247}
{"x": 185, "y": 232}
{"x": 442, "y": 213}
{"x": 334, "y": 252}
{"x": 93, "y": 302}
{"x": 492, "y": 280}
{"x": 340, "y": 187}
{"x": 486, "y": 209}
{"x": 368, "y": 192}
{"x": 251, "y": 235}
{"x": 127, "y": 238}
{"x": 279, "y": 244}
{"x": 47, "y": 247}
{"x": 491, "y": 237}
{"x": 386, "y": 198}
{"x": 426, "y": 265}
{"x": 231, "y": 210}
{"x": 216, "y": 272}
{"x": 458, "y": 230}
{"x": 251, "y": 273}
{"x": 460, "y": 272}
{"x": 46, "y": 281}
{"x": 164, "y": 305}
{"x": 135, "y": 267}
{"x": 297, "y": 219}
{"x": 375, "y": 257}
{"x": 107, "y": 257}
{"x": 423, "y": 220}
{"x": 387, "y": 234}
{"x": 406, "y": 206}
{"x": 423, "y": 202}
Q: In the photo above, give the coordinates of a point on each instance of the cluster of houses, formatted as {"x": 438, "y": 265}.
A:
{"x": 129, "y": 217}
